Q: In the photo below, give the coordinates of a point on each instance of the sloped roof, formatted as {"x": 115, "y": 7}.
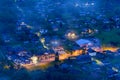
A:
{"x": 82, "y": 41}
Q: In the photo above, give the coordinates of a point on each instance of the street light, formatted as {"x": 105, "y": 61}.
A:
{"x": 71, "y": 35}
{"x": 34, "y": 59}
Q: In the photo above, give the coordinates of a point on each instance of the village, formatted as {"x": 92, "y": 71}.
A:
{"x": 59, "y": 40}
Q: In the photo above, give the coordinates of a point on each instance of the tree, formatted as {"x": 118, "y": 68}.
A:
{"x": 1, "y": 40}
{"x": 8, "y": 16}
{"x": 21, "y": 74}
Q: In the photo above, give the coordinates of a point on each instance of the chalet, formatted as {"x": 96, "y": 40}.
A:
{"x": 83, "y": 42}
{"x": 89, "y": 43}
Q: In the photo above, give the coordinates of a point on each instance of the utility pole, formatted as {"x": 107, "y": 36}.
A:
{"x": 56, "y": 60}
{"x": 56, "y": 57}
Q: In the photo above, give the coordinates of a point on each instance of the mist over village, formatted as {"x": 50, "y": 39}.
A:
{"x": 59, "y": 40}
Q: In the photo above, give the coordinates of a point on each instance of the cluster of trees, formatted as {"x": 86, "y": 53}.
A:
{"x": 111, "y": 38}
{"x": 28, "y": 10}
{"x": 8, "y": 16}
{"x": 57, "y": 74}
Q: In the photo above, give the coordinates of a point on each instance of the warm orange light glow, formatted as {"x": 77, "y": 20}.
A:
{"x": 113, "y": 49}
{"x": 51, "y": 57}
{"x": 6, "y": 67}
{"x": 34, "y": 59}
{"x": 71, "y": 35}
{"x": 89, "y": 31}
{"x": 77, "y": 52}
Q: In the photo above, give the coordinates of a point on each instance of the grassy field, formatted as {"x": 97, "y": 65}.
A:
{"x": 110, "y": 37}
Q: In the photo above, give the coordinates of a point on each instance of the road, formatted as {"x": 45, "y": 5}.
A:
{"x": 46, "y": 61}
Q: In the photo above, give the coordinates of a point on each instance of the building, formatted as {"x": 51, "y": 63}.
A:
{"x": 91, "y": 52}
{"x": 84, "y": 42}
{"x": 89, "y": 43}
